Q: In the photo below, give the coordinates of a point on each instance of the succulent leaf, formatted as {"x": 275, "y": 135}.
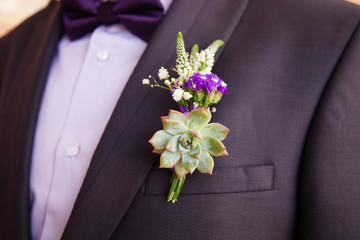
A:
{"x": 206, "y": 163}
{"x": 195, "y": 133}
{"x": 185, "y": 138}
{"x": 164, "y": 118}
{"x": 214, "y": 146}
{"x": 189, "y": 163}
{"x": 198, "y": 118}
{"x": 175, "y": 115}
{"x": 169, "y": 159}
{"x": 180, "y": 170}
{"x": 223, "y": 153}
{"x": 194, "y": 143}
{"x": 172, "y": 145}
{"x": 160, "y": 139}
{"x": 174, "y": 127}
{"x": 216, "y": 130}
{"x": 195, "y": 152}
{"x": 183, "y": 149}
{"x": 158, "y": 151}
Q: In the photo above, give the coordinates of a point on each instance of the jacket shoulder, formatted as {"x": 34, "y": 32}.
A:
{"x": 26, "y": 28}
{"x": 17, "y": 41}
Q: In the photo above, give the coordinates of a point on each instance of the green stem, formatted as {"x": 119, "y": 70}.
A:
{"x": 174, "y": 181}
{"x": 172, "y": 177}
{"x": 162, "y": 87}
{"x": 178, "y": 189}
{"x": 176, "y": 186}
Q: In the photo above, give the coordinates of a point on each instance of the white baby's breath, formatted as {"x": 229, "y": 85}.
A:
{"x": 163, "y": 73}
{"x": 167, "y": 82}
{"x": 146, "y": 81}
{"x": 177, "y": 94}
{"x": 187, "y": 95}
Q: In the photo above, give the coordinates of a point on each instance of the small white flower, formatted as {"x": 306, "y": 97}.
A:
{"x": 187, "y": 95}
{"x": 173, "y": 80}
{"x": 207, "y": 70}
{"x": 146, "y": 81}
{"x": 223, "y": 84}
{"x": 201, "y": 56}
{"x": 177, "y": 94}
{"x": 213, "y": 109}
{"x": 167, "y": 82}
{"x": 196, "y": 104}
{"x": 163, "y": 73}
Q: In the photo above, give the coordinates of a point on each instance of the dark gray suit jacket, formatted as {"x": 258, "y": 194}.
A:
{"x": 293, "y": 71}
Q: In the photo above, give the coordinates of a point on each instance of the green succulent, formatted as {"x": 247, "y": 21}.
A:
{"x": 188, "y": 142}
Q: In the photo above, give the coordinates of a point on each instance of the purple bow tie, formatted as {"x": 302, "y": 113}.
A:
{"x": 141, "y": 17}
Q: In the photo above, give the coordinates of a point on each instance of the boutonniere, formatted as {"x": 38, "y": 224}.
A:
{"x": 188, "y": 141}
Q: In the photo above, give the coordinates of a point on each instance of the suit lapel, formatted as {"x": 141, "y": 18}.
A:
{"x": 123, "y": 157}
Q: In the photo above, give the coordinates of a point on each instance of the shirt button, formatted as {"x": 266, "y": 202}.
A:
{"x": 72, "y": 151}
{"x": 102, "y": 55}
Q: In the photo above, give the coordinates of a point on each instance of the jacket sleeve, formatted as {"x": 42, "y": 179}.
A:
{"x": 329, "y": 197}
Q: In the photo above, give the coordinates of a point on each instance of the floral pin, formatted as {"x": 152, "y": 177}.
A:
{"x": 188, "y": 141}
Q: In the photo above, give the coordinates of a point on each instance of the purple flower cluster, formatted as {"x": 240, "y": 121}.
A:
{"x": 187, "y": 109}
{"x": 182, "y": 108}
{"x": 210, "y": 82}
